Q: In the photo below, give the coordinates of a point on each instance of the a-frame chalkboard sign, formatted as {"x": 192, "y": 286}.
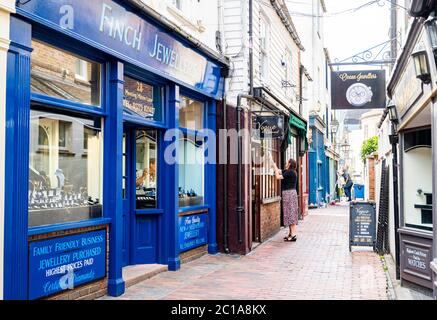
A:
{"x": 362, "y": 224}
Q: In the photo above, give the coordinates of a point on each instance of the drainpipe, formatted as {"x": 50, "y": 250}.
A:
{"x": 240, "y": 207}
{"x": 225, "y": 178}
{"x": 251, "y": 47}
{"x": 394, "y": 140}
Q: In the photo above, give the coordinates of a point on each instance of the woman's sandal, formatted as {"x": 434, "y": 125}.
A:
{"x": 291, "y": 238}
{"x": 287, "y": 237}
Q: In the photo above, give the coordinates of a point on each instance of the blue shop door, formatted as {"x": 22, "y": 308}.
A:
{"x": 140, "y": 214}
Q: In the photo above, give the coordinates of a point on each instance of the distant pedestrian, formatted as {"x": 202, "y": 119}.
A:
{"x": 348, "y": 183}
{"x": 290, "y": 205}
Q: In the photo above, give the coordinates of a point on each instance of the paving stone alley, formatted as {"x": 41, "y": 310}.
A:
{"x": 317, "y": 266}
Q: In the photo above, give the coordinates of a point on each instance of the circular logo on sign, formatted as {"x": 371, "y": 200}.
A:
{"x": 359, "y": 94}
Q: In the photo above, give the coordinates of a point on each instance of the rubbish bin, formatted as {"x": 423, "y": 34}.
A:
{"x": 359, "y": 191}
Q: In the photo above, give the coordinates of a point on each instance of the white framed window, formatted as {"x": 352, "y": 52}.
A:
{"x": 288, "y": 70}
{"x": 264, "y": 39}
{"x": 81, "y": 70}
{"x": 176, "y": 3}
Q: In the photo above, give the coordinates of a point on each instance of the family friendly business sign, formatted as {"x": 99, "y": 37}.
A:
{"x": 358, "y": 89}
{"x": 64, "y": 263}
{"x": 113, "y": 28}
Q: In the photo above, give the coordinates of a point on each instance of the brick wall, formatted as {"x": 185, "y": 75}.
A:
{"x": 270, "y": 216}
{"x": 87, "y": 291}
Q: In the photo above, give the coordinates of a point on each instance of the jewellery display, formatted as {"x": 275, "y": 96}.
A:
{"x": 58, "y": 198}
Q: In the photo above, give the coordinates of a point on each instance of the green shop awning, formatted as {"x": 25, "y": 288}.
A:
{"x": 298, "y": 123}
{"x": 301, "y": 127}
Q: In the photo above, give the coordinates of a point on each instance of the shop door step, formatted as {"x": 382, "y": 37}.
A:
{"x": 137, "y": 273}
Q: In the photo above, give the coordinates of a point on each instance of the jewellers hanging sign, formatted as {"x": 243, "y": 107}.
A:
{"x": 268, "y": 127}
{"x": 358, "y": 89}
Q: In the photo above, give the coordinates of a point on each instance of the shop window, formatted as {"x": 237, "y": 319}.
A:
{"x": 65, "y": 178}
{"x": 190, "y": 114}
{"x": 417, "y": 193}
{"x": 146, "y": 169}
{"x": 191, "y": 171}
{"x": 291, "y": 152}
{"x": 142, "y": 99}
{"x": 63, "y": 75}
{"x": 269, "y": 183}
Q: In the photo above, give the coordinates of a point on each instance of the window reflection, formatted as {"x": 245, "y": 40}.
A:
{"x": 191, "y": 114}
{"x": 146, "y": 169}
{"x": 62, "y": 75}
{"x": 191, "y": 171}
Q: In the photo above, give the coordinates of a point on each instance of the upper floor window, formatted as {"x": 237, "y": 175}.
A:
{"x": 264, "y": 38}
{"x": 63, "y": 75}
{"x": 191, "y": 114}
{"x": 176, "y": 3}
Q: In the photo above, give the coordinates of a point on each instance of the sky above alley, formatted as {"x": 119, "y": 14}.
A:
{"x": 354, "y": 31}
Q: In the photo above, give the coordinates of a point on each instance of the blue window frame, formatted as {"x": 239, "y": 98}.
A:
{"x": 68, "y": 107}
{"x": 193, "y": 176}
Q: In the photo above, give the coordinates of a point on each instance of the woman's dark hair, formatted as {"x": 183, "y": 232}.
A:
{"x": 292, "y": 165}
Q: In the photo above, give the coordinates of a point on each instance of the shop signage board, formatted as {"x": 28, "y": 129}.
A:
{"x": 109, "y": 26}
{"x": 364, "y": 89}
{"x": 362, "y": 224}
{"x": 138, "y": 97}
{"x": 192, "y": 231}
{"x": 64, "y": 263}
{"x": 416, "y": 257}
{"x": 271, "y": 127}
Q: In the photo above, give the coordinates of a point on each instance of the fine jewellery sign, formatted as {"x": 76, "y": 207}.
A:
{"x": 358, "y": 89}
{"x": 119, "y": 31}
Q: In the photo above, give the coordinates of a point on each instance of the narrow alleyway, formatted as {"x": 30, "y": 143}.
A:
{"x": 317, "y": 266}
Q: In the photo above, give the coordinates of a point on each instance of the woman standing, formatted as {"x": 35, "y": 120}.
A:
{"x": 290, "y": 206}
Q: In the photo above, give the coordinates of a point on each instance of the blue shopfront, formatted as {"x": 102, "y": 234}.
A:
{"x": 108, "y": 162}
{"x": 317, "y": 163}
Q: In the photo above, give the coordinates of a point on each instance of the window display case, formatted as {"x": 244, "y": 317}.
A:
{"x": 64, "y": 168}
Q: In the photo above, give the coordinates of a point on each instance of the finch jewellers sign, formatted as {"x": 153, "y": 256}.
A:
{"x": 358, "y": 89}
{"x": 119, "y": 31}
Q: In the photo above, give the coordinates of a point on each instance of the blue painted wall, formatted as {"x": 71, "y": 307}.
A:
{"x": 318, "y": 167}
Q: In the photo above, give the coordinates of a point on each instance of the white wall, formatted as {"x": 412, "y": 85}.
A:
{"x": 280, "y": 43}
{"x": 236, "y": 28}
{"x": 200, "y": 19}
{"x": 235, "y": 33}
{"x": 414, "y": 179}
{"x": 313, "y": 58}
{"x": 6, "y": 7}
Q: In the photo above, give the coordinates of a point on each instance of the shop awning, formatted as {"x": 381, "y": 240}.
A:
{"x": 301, "y": 127}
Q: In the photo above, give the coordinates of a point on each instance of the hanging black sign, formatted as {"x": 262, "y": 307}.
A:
{"x": 362, "y": 224}
{"x": 269, "y": 127}
{"x": 358, "y": 89}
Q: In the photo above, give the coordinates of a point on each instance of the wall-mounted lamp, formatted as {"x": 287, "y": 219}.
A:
{"x": 421, "y": 64}
{"x": 421, "y": 8}
{"x": 334, "y": 126}
{"x": 392, "y": 113}
{"x": 431, "y": 29}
